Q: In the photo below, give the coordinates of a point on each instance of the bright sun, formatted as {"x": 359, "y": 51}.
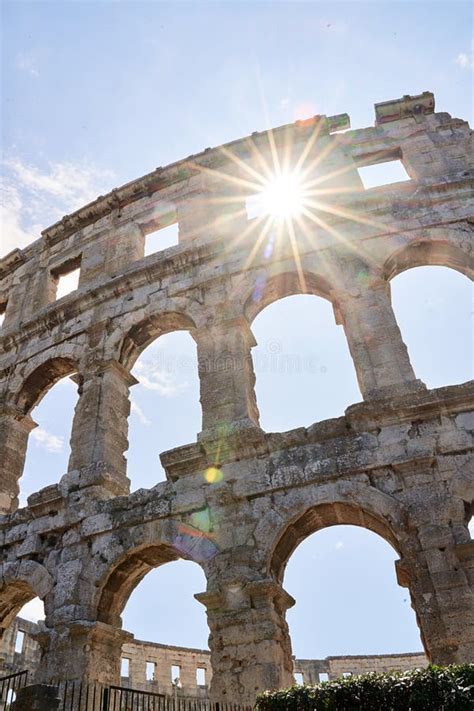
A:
{"x": 282, "y": 197}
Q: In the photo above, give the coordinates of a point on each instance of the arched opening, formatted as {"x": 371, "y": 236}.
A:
{"x": 433, "y": 307}
{"x": 48, "y": 450}
{"x": 19, "y": 649}
{"x": 337, "y": 560}
{"x": 20, "y": 611}
{"x": 303, "y": 367}
{"x": 155, "y": 602}
{"x": 351, "y": 604}
{"x": 13, "y": 598}
{"x": 165, "y": 408}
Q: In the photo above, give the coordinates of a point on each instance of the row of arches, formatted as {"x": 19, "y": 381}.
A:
{"x": 137, "y": 556}
{"x": 345, "y": 568}
{"x": 303, "y": 367}
{"x": 372, "y": 615}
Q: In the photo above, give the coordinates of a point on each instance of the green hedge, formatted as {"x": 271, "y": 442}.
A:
{"x": 431, "y": 689}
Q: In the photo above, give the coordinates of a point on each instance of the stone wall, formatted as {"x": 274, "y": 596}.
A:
{"x": 316, "y": 670}
{"x": 398, "y": 463}
{"x": 18, "y": 647}
{"x": 150, "y": 659}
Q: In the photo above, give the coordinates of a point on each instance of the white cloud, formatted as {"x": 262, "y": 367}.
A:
{"x": 339, "y": 545}
{"x": 465, "y": 60}
{"x": 33, "y": 198}
{"x": 153, "y": 376}
{"x": 137, "y": 410}
{"x": 33, "y": 610}
{"x": 47, "y": 441}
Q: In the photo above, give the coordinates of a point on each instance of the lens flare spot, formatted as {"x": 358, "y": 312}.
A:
{"x": 283, "y": 197}
{"x": 259, "y": 287}
{"x": 201, "y": 520}
{"x": 213, "y": 475}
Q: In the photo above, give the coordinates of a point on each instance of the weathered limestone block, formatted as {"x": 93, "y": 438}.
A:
{"x": 14, "y": 430}
{"x": 442, "y": 595}
{"x": 249, "y": 640}
{"x": 81, "y": 651}
{"x": 37, "y": 697}
{"x": 99, "y": 431}
{"x": 380, "y": 356}
{"x": 226, "y": 375}
{"x": 124, "y": 244}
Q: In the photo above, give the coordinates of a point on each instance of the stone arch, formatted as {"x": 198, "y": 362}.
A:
{"x": 356, "y": 505}
{"x": 142, "y": 333}
{"x": 21, "y": 582}
{"x": 428, "y": 252}
{"x": 41, "y": 378}
{"x": 154, "y": 545}
{"x": 274, "y": 300}
{"x": 286, "y": 284}
{"x": 438, "y": 267}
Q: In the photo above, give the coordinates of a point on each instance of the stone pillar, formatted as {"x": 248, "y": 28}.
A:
{"x": 38, "y": 697}
{"x": 125, "y": 244}
{"x": 14, "y": 430}
{"x": 211, "y": 208}
{"x": 249, "y": 641}
{"x": 42, "y": 287}
{"x": 439, "y": 578}
{"x": 100, "y": 428}
{"x": 375, "y": 342}
{"x": 226, "y": 375}
{"x": 83, "y": 651}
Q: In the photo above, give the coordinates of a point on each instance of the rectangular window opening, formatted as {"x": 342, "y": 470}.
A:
{"x": 66, "y": 277}
{"x": 176, "y": 674}
{"x": 67, "y": 283}
{"x": 386, "y": 173}
{"x": 201, "y": 676}
{"x": 150, "y": 671}
{"x": 346, "y": 675}
{"x": 19, "y": 641}
{"x": 299, "y": 678}
{"x": 162, "y": 238}
{"x": 125, "y": 667}
{"x": 3, "y": 308}
{"x": 323, "y": 676}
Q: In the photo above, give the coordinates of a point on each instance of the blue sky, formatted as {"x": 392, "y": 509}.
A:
{"x": 98, "y": 93}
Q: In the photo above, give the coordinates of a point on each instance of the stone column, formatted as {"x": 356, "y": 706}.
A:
{"x": 249, "y": 641}
{"x": 14, "y": 430}
{"x": 380, "y": 356}
{"x": 226, "y": 375}
{"x": 81, "y": 650}
{"x": 211, "y": 208}
{"x": 440, "y": 580}
{"x": 37, "y": 697}
{"x": 100, "y": 428}
{"x": 124, "y": 245}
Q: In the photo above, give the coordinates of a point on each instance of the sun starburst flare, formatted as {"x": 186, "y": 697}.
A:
{"x": 290, "y": 192}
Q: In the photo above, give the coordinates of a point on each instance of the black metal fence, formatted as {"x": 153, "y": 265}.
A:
{"x": 9, "y": 686}
{"x": 77, "y": 696}
{"x": 93, "y": 696}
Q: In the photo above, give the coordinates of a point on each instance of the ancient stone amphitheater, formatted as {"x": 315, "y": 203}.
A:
{"x": 397, "y": 463}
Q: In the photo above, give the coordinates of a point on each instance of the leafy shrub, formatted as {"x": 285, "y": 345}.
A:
{"x": 431, "y": 689}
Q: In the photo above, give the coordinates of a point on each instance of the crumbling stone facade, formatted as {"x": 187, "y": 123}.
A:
{"x": 162, "y": 659}
{"x": 397, "y": 463}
